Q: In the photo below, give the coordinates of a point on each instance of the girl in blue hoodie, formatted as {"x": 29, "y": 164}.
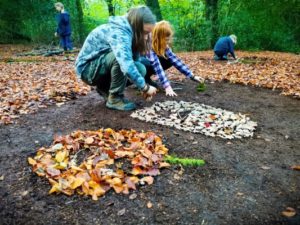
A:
{"x": 110, "y": 56}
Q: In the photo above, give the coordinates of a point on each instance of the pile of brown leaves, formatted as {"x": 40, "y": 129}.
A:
{"x": 93, "y": 162}
{"x": 272, "y": 70}
{"x": 26, "y": 86}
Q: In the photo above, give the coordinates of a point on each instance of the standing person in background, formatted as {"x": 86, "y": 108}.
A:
{"x": 224, "y": 46}
{"x": 63, "y": 27}
{"x": 110, "y": 55}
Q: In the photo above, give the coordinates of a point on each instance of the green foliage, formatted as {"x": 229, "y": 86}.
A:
{"x": 258, "y": 24}
{"x": 201, "y": 87}
{"x": 188, "y": 20}
{"x": 261, "y": 25}
{"x": 184, "y": 161}
{"x": 94, "y": 14}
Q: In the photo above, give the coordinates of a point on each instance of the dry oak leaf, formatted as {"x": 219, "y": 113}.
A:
{"x": 289, "y": 212}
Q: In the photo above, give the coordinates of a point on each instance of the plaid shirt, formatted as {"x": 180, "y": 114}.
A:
{"x": 176, "y": 62}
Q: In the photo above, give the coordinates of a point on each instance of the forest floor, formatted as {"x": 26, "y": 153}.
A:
{"x": 246, "y": 181}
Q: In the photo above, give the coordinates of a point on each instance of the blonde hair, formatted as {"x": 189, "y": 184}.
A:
{"x": 160, "y": 33}
{"x": 233, "y": 38}
{"x": 59, "y": 4}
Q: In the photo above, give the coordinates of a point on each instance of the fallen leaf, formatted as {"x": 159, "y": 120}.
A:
{"x": 56, "y": 147}
{"x": 89, "y": 140}
{"x": 24, "y": 193}
{"x": 176, "y": 176}
{"x": 31, "y": 161}
{"x": 59, "y": 104}
{"x": 131, "y": 183}
{"x": 132, "y": 196}
{"x": 52, "y": 171}
{"x": 152, "y": 172}
{"x": 61, "y": 155}
{"x": 124, "y": 153}
{"x": 164, "y": 165}
{"x": 149, "y": 205}
{"x": 296, "y": 167}
{"x": 206, "y": 124}
{"x": 137, "y": 170}
{"x": 121, "y": 212}
{"x": 213, "y": 117}
{"x": 77, "y": 182}
{"x": 289, "y": 212}
{"x": 147, "y": 179}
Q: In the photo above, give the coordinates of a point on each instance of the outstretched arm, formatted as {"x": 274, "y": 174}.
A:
{"x": 231, "y": 49}
{"x": 178, "y": 64}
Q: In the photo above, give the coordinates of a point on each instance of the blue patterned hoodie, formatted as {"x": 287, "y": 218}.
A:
{"x": 115, "y": 36}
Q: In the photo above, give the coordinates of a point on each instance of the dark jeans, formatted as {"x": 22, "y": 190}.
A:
{"x": 105, "y": 73}
{"x": 65, "y": 42}
{"x": 220, "y": 56}
{"x": 165, "y": 63}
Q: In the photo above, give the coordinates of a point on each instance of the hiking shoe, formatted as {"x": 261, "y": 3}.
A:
{"x": 124, "y": 99}
{"x": 102, "y": 93}
{"x": 119, "y": 103}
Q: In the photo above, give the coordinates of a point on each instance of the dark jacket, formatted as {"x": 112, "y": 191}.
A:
{"x": 63, "y": 24}
{"x": 224, "y": 46}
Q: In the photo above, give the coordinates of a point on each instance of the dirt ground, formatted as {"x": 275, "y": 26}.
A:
{"x": 247, "y": 181}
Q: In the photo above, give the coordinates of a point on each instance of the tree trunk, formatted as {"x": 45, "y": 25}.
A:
{"x": 155, "y": 8}
{"x": 212, "y": 15}
{"x": 111, "y": 9}
{"x": 80, "y": 21}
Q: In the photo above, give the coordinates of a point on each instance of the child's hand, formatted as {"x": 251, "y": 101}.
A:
{"x": 148, "y": 92}
{"x": 197, "y": 79}
{"x": 170, "y": 92}
{"x": 151, "y": 91}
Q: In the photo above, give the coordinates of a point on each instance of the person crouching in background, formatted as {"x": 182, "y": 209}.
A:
{"x": 224, "y": 46}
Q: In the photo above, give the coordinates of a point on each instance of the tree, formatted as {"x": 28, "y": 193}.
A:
{"x": 111, "y": 8}
{"x": 212, "y": 16}
{"x": 80, "y": 21}
{"x": 154, "y": 6}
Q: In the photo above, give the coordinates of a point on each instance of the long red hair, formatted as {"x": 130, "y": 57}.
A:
{"x": 160, "y": 33}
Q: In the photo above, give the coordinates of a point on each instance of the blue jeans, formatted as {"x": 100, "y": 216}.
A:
{"x": 65, "y": 42}
{"x": 220, "y": 56}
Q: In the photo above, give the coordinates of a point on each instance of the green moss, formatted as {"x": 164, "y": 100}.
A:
{"x": 201, "y": 87}
{"x": 184, "y": 161}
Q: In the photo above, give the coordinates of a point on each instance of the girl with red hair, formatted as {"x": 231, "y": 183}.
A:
{"x": 161, "y": 58}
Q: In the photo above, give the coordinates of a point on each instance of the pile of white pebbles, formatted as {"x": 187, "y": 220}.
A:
{"x": 198, "y": 118}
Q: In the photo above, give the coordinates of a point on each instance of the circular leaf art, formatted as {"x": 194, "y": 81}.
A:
{"x": 198, "y": 118}
{"x": 93, "y": 162}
